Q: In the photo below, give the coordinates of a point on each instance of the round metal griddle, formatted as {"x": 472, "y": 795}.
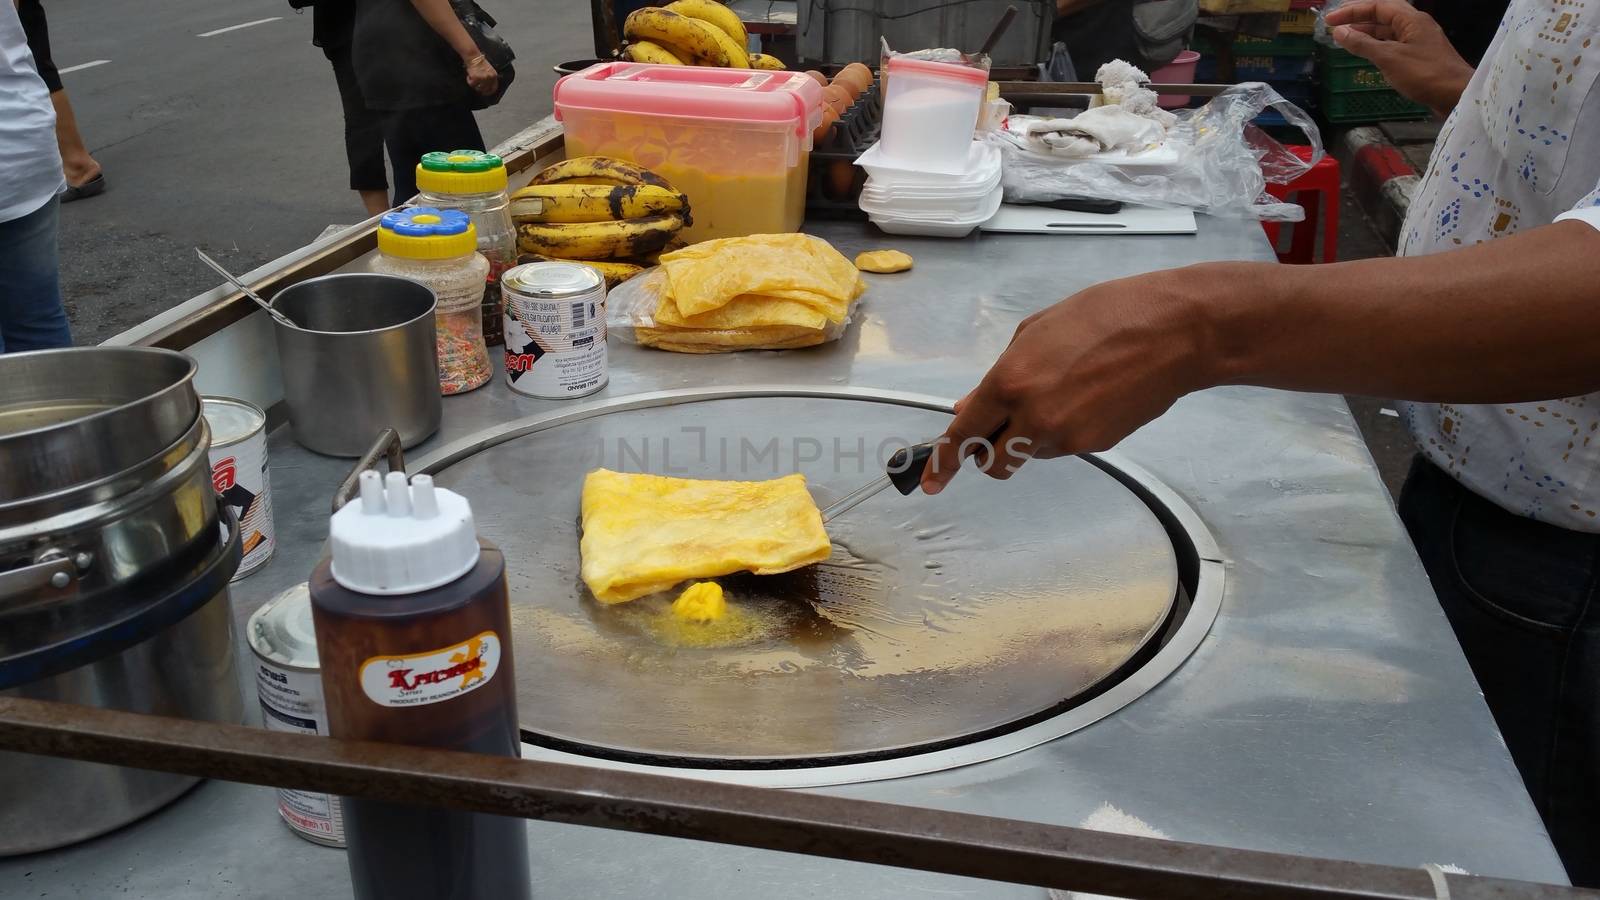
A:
{"x": 938, "y": 620}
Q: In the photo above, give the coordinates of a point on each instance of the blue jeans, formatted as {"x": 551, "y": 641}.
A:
{"x": 31, "y": 315}
{"x": 1524, "y": 600}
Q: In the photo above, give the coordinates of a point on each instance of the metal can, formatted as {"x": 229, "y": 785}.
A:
{"x": 239, "y": 474}
{"x": 555, "y": 320}
{"x": 289, "y": 685}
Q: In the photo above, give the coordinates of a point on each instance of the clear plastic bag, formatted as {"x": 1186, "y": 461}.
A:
{"x": 1221, "y": 166}
{"x": 630, "y": 317}
{"x": 1321, "y": 33}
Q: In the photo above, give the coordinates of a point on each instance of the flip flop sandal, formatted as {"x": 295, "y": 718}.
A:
{"x": 95, "y": 185}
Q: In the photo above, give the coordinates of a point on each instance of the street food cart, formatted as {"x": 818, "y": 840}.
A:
{"x": 1219, "y": 629}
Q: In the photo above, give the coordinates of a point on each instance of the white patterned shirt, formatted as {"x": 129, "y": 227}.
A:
{"x": 1522, "y": 149}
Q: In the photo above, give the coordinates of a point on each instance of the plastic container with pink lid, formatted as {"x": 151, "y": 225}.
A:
{"x": 930, "y": 110}
{"x": 736, "y": 141}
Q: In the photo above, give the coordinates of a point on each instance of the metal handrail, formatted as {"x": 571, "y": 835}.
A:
{"x": 813, "y": 824}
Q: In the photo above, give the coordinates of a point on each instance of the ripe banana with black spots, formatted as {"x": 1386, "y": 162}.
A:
{"x": 569, "y": 203}
{"x": 613, "y": 271}
{"x": 733, "y": 50}
{"x": 600, "y": 240}
{"x": 598, "y": 170}
{"x": 763, "y": 61}
{"x": 683, "y": 36}
{"x": 714, "y": 13}
{"x": 651, "y": 52}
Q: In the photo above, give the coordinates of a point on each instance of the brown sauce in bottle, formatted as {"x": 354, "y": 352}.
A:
{"x": 408, "y": 651}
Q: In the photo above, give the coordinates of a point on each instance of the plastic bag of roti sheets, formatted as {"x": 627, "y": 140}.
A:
{"x": 762, "y": 292}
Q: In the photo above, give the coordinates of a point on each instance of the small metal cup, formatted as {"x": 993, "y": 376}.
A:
{"x": 362, "y": 360}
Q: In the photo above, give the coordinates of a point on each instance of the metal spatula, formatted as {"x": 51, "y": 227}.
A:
{"x": 904, "y": 471}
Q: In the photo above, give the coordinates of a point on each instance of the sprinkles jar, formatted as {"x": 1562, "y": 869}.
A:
{"x": 439, "y": 249}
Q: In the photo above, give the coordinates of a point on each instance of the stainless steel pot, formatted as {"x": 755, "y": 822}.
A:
{"x": 110, "y": 560}
{"x": 173, "y": 656}
{"x": 119, "y": 479}
{"x": 362, "y": 360}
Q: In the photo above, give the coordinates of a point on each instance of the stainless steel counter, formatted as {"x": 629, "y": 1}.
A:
{"x": 1328, "y": 713}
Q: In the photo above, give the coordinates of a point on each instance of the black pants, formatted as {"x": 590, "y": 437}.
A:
{"x": 1522, "y": 597}
{"x": 363, "y": 128}
{"x": 409, "y": 133}
{"x": 37, "y": 30}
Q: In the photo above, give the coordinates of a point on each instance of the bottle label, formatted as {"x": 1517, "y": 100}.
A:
{"x": 423, "y": 678}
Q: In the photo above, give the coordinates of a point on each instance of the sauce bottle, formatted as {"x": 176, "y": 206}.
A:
{"x": 414, "y": 633}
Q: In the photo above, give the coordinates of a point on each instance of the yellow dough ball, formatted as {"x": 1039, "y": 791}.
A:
{"x": 883, "y": 262}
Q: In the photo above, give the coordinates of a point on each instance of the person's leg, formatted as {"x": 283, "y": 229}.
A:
{"x": 1522, "y": 599}
{"x": 31, "y": 315}
{"x": 412, "y": 132}
{"x": 363, "y": 136}
{"x": 79, "y": 165}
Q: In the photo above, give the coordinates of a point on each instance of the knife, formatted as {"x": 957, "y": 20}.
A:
{"x": 1081, "y": 204}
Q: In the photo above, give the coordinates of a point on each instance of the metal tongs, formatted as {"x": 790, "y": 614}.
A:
{"x": 904, "y": 471}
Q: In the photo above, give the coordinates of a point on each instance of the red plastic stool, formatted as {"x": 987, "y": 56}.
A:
{"x": 1316, "y": 190}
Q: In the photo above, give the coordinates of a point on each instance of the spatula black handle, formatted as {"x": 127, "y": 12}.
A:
{"x": 906, "y": 467}
{"x": 907, "y": 464}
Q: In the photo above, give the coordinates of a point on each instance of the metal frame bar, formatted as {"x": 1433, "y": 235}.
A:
{"x": 790, "y": 821}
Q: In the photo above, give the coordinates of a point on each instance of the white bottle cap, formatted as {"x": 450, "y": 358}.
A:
{"x": 402, "y": 539}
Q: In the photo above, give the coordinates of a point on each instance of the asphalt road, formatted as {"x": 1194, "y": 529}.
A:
{"x": 232, "y": 143}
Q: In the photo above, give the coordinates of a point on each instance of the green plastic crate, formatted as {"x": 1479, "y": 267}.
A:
{"x": 1208, "y": 41}
{"x": 1344, "y": 71}
{"x": 1354, "y": 91}
{"x": 1363, "y": 106}
{"x": 1282, "y": 45}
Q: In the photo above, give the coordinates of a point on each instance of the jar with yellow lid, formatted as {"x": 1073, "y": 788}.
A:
{"x": 439, "y": 248}
{"x": 475, "y": 183}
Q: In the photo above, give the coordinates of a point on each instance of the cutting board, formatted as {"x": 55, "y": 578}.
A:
{"x": 1131, "y": 220}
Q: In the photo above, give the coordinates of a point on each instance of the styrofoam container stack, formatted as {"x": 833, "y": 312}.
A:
{"x": 933, "y": 204}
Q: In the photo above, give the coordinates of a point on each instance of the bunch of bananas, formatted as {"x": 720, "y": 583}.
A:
{"x": 691, "y": 33}
{"x": 599, "y": 211}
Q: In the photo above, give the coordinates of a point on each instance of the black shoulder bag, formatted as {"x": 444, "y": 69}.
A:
{"x": 494, "y": 48}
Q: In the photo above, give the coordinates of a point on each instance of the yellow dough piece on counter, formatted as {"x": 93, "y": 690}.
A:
{"x": 690, "y": 341}
{"x": 883, "y": 262}
{"x": 646, "y": 533}
{"x": 701, "y": 602}
{"x": 745, "y": 311}
{"x": 707, "y": 275}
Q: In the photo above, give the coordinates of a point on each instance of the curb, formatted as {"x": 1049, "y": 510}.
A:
{"x": 1380, "y": 177}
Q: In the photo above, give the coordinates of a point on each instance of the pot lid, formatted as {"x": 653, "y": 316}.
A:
{"x": 77, "y": 415}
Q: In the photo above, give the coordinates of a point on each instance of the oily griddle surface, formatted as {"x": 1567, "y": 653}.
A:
{"x": 936, "y": 619}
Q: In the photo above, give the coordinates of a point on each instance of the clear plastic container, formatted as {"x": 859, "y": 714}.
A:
{"x": 438, "y": 248}
{"x": 474, "y": 182}
{"x": 736, "y": 141}
{"x": 929, "y": 113}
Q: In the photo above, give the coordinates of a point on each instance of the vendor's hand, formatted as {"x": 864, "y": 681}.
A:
{"x": 1408, "y": 46}
{"x": 481, "y": 76}
{"x": 1081, "y": 375}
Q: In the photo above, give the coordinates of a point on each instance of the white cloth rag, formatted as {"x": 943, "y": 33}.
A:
{"x": 1093, "y": 131}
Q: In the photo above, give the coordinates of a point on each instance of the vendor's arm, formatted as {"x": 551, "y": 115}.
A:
{"x": 1408, "y": 46}
{"x": 442, "y": 19}
{"x": 1508, "y": 320}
